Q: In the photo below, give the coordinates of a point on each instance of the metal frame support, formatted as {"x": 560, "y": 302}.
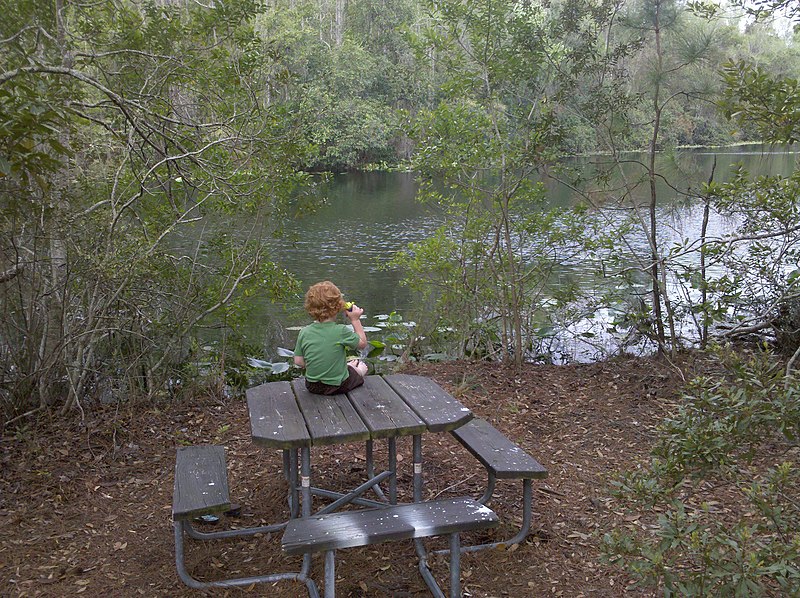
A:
{"x": 301, "y": 576}
{"x": 527, "y": 498}
{"x": 392, "y": 449}
{"x": 353, "y": 494}
{"x": 330, "y": 574}
{"x": 364, "y": 502}
{"x": 427, "y": 576}
{"x": 305, "y": 479}
{"x": 455, "y": 567}
{"x": 294, "y": 495}
{"x": 417, "y": 458}
{"x": 371, "y": 470}
{"x": 231, "y": 533}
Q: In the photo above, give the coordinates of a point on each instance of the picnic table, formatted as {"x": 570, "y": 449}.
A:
{"x": 286, "y": 416}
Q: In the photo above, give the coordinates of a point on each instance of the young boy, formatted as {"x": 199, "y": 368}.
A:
{"x": 321, "y": 346}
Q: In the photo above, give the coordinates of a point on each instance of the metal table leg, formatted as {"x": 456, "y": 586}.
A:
{"x": 294, "y": 496}
{"x": 305, "y": 479}
{"x": 417, "y": 468}
{"x": 371, "y": 470}
{"x": 455, "y": 567}
{"x": 393, "y": 471}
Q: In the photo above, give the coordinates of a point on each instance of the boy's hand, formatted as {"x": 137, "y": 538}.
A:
{"x": 354, "y": 313}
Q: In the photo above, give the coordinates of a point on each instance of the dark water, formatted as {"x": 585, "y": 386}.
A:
{"x": 367, "y": 217}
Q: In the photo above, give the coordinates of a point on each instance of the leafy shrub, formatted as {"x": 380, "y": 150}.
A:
{"x": 723, "y": 487}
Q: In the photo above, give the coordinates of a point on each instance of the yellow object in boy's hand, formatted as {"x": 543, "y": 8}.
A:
{"x": 348, "y": 305}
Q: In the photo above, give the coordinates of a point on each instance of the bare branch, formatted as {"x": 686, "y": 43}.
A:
{"x": 12, "y": 273}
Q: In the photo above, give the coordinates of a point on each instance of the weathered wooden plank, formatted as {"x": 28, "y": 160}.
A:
{"x": 497, "y": 453}
{"x": 201, "y": 482}
{"x": 383, "y": 411}
{"x": 436, "y": 407}
{"x": 402, "y": 522}
{"x": 275, "y": 417}
{"x": 330, "y": 419}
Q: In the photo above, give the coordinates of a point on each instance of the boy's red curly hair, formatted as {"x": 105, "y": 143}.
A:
{"x": 323, "y": 300}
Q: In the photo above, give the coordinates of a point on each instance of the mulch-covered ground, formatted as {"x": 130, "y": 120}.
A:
{"x": 85, "y": 508}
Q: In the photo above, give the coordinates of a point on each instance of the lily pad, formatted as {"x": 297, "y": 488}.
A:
{"x": 259, "y": 363}
{"x": 279, "y": 368}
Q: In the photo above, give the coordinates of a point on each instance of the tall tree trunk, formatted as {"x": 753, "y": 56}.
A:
{"x": 655, "y": 258}
{"x": 52, "y": 350}
{"x": 338, "y": 23}
{"x": 703, "y": 250}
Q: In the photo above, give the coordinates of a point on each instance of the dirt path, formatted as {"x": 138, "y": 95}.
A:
{"x": 87, "y": 509}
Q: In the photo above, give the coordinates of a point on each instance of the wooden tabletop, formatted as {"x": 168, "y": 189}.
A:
{"x": 330, "y": 419}
{"x": 383, "y": 411}
{"x": 275, "y": 418}
{"x": 440, "y": 411}
{"x": 285, "y": 415}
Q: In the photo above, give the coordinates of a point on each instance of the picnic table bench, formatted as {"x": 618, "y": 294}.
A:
{"x": 201, "y": 482}
{"x": 335, "y": 531}
{"x": 201, "y": 488}
{"x": 503, "y": 460}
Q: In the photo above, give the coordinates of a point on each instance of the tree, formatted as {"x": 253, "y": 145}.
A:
{"x": 346, "y": 88}
{"x": 760, "y": 95}
{"x": 734, "y": 434}
{"x": 507, "y": 69}
{"x": 656, "y": 60}
{"x": 126, "y": 126}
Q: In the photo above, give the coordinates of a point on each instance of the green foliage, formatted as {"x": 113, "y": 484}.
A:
{"x": 348, "y": 73}
{"x": 757, "y": 285}
{"x": 477, "y": 152}
{"x": 722, "y": 424}
{"x": 135, "y": 128}
{"x": 30, "y": 147}
{"x": 747, "y": 86}
{"x": 347, "y": 132}
{"x": 346, "y": 88}
{"x": 129, "y": 130}
{"x": 722, "y": 481}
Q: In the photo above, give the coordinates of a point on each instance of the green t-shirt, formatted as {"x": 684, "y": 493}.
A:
{"x": 323, "y": 347}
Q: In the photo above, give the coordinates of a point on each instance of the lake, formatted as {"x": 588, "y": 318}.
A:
{"x": 366, "y": 217}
